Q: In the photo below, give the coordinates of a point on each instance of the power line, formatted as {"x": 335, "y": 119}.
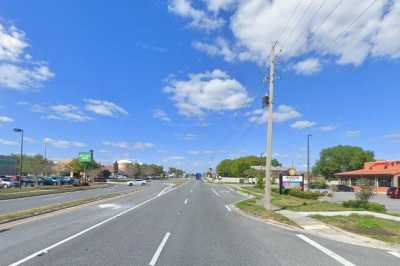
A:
{"x": 351, "y": 24}
{"x": 299, "y": 20}
{"x": 289, "y": 20}
{"x": 329, "y": 15}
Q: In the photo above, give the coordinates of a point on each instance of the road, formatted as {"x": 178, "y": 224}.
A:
{"x": 19, "y": 204}
{"x": 189, "y": 225}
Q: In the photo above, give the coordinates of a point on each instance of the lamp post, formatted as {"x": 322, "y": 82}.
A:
{"x": 308, "y": 161}
{"x": 20, "y": 130}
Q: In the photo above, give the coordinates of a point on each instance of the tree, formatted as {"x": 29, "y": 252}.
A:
{"x": 341, "y": 158}
{"x": 76, "y": 167}
{"x": 238, "y": 167}
{"x": 35, "y": 164}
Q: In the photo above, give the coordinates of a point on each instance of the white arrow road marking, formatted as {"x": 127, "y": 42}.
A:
{"x": 328, "y": 252}
{"x": 159, "y": 249}
{"x": 110, "y": 206}
{"x": 228, "y": 208}
{"x": 215, "y": 192}
{"x": 186, "y": 201}
{"x": 394, "y": 253}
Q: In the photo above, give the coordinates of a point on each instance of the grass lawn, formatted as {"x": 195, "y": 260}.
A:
{"x": 249, "y": 206}
{"x": 381, "y": 229}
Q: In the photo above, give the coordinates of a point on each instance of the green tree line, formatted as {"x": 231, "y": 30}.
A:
{"x": 240, "y": 167}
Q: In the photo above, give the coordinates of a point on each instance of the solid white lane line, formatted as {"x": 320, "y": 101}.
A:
{"x": 159, "y": 249}
{"x": 186, "y": 201}
{"x": 191, "y": 190}
{"x": 215, "y": 192}
{"x": 394, "y": 253}
{"x": 228, "y": 208}
{"x": 328, "y": 252}
{"x": 45, "y": 250}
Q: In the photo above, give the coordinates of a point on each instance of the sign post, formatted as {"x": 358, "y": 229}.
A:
{"x": 85, "y": 158}
{"x": 291, "y": 181}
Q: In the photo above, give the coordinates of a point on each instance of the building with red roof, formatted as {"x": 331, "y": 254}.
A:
{"x": 383, "y": 174}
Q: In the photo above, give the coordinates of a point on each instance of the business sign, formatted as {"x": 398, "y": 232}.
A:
{"x": 292, "y": 181}
{"x": 85, "y": 157}
{"x": 8, "y": 165}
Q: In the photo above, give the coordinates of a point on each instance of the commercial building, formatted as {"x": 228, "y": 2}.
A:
{"x": 383, "y": 174}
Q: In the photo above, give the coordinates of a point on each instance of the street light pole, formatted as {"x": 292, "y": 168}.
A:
{"x": 308, "y": 161}
{"x": 20, "y": 130}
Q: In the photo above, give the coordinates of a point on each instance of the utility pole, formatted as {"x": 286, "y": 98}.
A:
{"x": 20, "y": 130}
{"x": 308, "y": 161}
{"x": 270, "y": 101}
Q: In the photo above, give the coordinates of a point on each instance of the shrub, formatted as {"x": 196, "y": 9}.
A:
{"x": 359, "y": 204}
{"x": 304, "y": 194}
{"x": 366, "y": 191}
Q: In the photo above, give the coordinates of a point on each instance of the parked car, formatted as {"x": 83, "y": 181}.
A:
{"x": 28, "y": 181}
{"x": 344, "y": 188}
{"x": 390, "y": 191}
{"x": 4, "y": 183}
{"x": 7, "y": 182}
{"x": 67, "y": 180}
{"x": 46, "y": 181}
{"x": 137, "y": 182}
{"x": 395, "y": 194}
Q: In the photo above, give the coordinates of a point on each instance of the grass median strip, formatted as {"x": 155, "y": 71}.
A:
{"x": 250, "y": 207}
{"x": 9, "y": 217}
{"x": 377, "y": 228}
{"x": 30, "y": 192}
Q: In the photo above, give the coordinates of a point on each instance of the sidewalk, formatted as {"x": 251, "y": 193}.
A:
{"x": 321, "y": 229}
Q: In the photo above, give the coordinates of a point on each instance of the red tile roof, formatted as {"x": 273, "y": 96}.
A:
{"x": 363, "y": 172}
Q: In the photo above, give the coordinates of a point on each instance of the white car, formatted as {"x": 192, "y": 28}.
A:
{"x": 136, "y": 182}
{"x": 5, "y": 184}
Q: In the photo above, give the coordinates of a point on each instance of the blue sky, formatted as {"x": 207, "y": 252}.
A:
{"x": 179, "y": 82}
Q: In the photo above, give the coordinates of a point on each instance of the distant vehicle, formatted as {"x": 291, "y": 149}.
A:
{"x": 67, "y": 180}
{"x": 390, "y": 191}
{"x": 344, "y": 188}
{"x": 198, "y": 176}
{"x": 395, "y": 194}
{"x": 137, "y": 182}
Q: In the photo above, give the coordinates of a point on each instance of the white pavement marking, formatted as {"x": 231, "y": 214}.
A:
{"x": 191, "y": 190}
{"x": 215, "y": 192}
{"x": 110, "y": 206}
{"x": 45, "y": 250}
{"x": 186, "y": 201}
{"x": 228, "y": 208}
{"x": 394, "y": 253}
{"x": 328, "y": 252}
{"x": 159, "y": 249}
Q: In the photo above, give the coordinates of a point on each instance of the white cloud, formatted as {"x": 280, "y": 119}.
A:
{"x": 189, "y": 136}
{"x": 327, "y": 128}
{"x": 5, "y": 119}
{"x": 173, "y": 158}
{"x": 29, "y": 140}
{"x": 311, "y": 29}
{"x": 208, "y": 91}
{"x": 67, "y": 112}
{"x": 17, "y": 70}
{"x": 393, "y": 137}
{"x": 308, "y": 66}
{"x": 8, "y": 142}
{"x": 217, "y": 5}
{"x": 302, "y": 124}
{"x": 199, "y": 18}
{"x": 219, "y": 48}
{"x": 105, "y": 108}
{"x": 64, "y": 144}
{"x": 281, "y": 114}
{"x": 162, "y": 115}
{"x": 353, "y": 133}
{"x": 129, "y": 145}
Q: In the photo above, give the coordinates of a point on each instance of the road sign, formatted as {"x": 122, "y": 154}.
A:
{"x": 85, "y": 157}
{"x": 291, "y": 181}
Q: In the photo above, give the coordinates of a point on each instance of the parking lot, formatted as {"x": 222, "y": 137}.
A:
{"x": 390, "y": 204}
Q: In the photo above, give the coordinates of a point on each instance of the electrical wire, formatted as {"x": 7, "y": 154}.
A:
{"x": 289, "y": 20}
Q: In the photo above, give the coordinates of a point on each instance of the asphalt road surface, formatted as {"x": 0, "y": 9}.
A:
{"x": 190, "y": 225}
{"x": 12, "y": 205}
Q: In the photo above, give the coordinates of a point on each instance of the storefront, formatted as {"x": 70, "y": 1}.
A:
{"x": 383, "y": 174}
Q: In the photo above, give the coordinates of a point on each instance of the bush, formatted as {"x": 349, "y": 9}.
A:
{"x": 359, "y": 204}
{"x": 304, "y": 194}
{"x": 366, "y": 191}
